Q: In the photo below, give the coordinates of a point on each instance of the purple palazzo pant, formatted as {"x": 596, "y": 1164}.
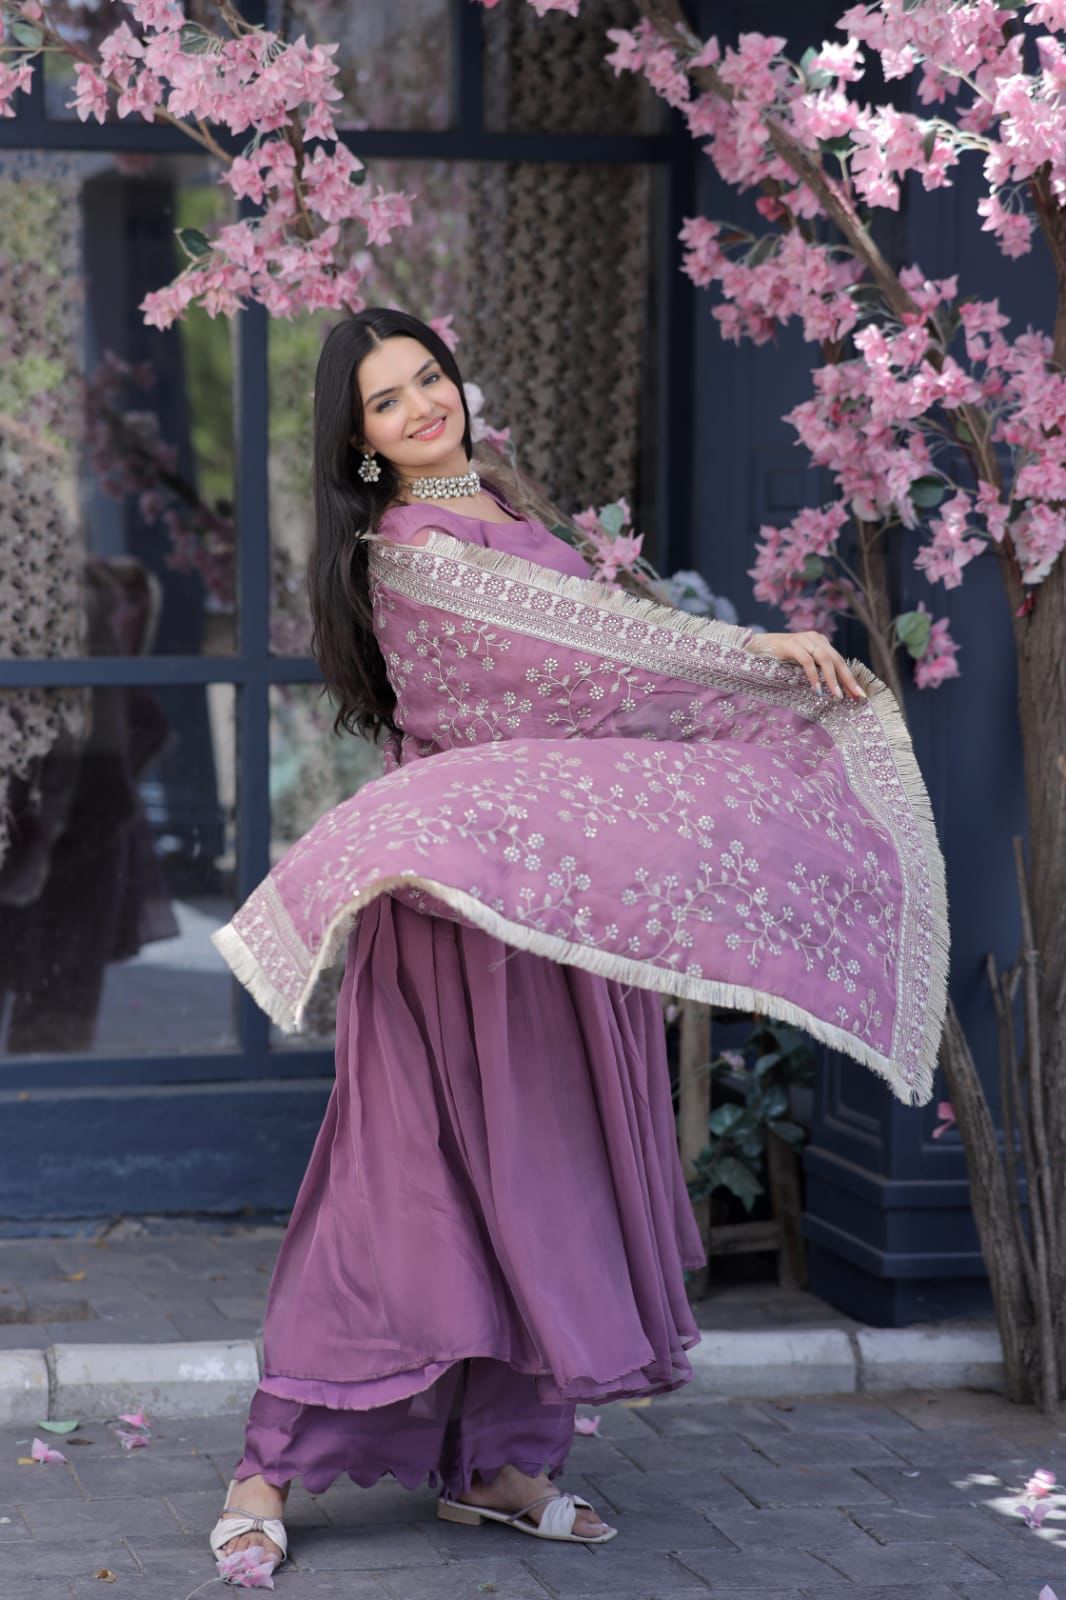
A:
{"x": 493, "y": 1224}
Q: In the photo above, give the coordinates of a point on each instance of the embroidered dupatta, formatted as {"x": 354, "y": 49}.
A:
{"x": 609, "y": 782}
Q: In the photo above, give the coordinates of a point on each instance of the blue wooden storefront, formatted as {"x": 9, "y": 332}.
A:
{"x": 229, "y": 1130}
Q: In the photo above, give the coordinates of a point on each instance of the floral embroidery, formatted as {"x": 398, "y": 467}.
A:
{"x": 624, "y": 787}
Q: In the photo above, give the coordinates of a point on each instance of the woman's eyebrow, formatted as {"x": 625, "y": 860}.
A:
{"x": 377, "y": 396}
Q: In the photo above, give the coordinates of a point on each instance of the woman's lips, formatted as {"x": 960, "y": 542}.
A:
{"x": 431, "y": 430}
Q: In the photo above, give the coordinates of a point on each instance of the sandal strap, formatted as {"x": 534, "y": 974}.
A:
{"x": 245, "y": 1522}
{"x": 533, "y": 1504}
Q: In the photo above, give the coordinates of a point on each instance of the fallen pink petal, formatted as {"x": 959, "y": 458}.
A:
{"x": 1041, "y": 1483}
{"x": 1033, "y": 1515}
{"x": 131, "y": 1441}
{"x": 587, "y": 1424}
{"x": 1047, "y": 1593}
{"x": 136, "y": 1419}
{"x": 247, "y": 1569}
{"x": 44, "y": 1453}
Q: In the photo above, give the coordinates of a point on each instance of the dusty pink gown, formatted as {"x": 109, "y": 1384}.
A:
{"x": 494, "y": 1224}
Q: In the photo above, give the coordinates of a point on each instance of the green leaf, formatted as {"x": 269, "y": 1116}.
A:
{"x": 739, "y": 1180}
{"x": 725, "y": 1119}
{"x": 813, "y": 567}
{"x": 838, "y": 146}
{"x": 613, "y": 519}
{"x": 912, "y": 631}
{"x": 819, "y": 79}
{"x": 357, "y": 175}
{"x": 60, "y": 1427}
{"x": 25, "y": 34}
{"x": 791, "y": 1132}
{"x": 761, "y": 250}
{"x": 195, "y": 41}
{"x": 962, "y": 431}
{"x": 776, "y": 1103}
{"x": 927, "y": 144}
{"x": 927, "y": 491}
{"x": 765, "y": 1062}
{"x": 193, "y": 242}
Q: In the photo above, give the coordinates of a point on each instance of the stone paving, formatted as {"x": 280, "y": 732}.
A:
{"x": 905, "y": 1497}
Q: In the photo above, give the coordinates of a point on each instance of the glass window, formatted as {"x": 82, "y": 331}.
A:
{"x": 116, "y": 498}
{"x": 395, "y": 60}
{"x": 548, "y": 74}
{"x": 311, "y": 769}
{"x": 115, "y": 856}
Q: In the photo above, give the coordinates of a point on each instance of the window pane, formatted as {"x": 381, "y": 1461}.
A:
{"x": 116, "y": 499}
{"x": 548, "y": 74}
{"x": 564, "y": 357}
{"x": 394, "y": 61}
{"x": 112, "y": 871}
{"x": 311, "y": 769}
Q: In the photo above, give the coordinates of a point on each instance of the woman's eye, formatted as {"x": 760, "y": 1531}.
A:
{"x": 432, "y": 377}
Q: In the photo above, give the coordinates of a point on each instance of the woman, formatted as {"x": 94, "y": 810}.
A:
{"x": 494, "y": 1223}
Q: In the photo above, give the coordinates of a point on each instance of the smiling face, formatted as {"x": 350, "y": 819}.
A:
{"x": 412, "y": 411}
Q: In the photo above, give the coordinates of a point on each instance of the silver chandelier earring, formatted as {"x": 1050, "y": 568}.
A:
{"x": 369, "y": 469}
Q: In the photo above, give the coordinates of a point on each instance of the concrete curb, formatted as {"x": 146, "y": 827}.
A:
{"x": 23, "y": 1386}
{"x": 178, "y": 1380}
{"x": 167, "y": 1380}
{"x": 775, "y": 1362}
{"x": 929, "y": 1358}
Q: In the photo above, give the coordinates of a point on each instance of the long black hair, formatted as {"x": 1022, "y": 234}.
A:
{"x": 342, "y": 636}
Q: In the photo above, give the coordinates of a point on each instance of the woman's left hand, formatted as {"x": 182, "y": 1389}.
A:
{"x": 815, "y": 654}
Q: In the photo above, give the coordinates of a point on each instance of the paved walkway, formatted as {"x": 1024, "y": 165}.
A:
{"x": 906, "y": 1498}
{"x": 909, "y": 1497}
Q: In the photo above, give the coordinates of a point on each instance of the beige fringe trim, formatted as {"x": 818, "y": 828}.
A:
{"x": 583, "y": 591}
{"x": 640, "y": 974}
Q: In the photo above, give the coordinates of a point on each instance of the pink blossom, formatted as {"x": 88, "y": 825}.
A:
{"x": 937, "y": 665}
{"x": 1048, "y": 13}
{"x": 250, "y": 1568}
{"x": 1039, "y": 535}
{"x": 841, "y": 61}
{"x": 162, "y": 14}
{"x": 946, "y": 1112}
{"x": 12, "y": 79}
{"x": 950, "y": 550}
{"x": 245, "y": 178}
{"x": 1013, "y": 229}
{"x": 442, "y": 326}
{"x": 45, "y": 1454}
{"x": 385, "y": 213}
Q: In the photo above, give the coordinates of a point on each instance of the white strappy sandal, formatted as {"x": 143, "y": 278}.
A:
{"x": 234, "y": 1520}
{"x": 556, "y": 1523}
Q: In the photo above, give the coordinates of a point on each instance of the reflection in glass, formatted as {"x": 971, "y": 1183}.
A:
{"x": 112, "y": 878}
{"x": 117, "y": 438}
{"x": 547, "y": 74}
{"x": 394, "y": 59}
{"x": 311, "y": 769}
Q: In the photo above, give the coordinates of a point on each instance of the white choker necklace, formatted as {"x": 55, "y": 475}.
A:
{"x": 444, "y": 488}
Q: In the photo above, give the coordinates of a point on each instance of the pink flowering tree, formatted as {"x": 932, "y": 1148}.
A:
{"x": 928, "y": 413}
{"x": 242, "y": 83}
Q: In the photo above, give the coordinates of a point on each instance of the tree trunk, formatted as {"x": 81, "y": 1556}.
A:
{"x": 1041, "y": 657}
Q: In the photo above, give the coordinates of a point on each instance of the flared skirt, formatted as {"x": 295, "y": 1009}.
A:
{"x": 496, "y": 1176}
